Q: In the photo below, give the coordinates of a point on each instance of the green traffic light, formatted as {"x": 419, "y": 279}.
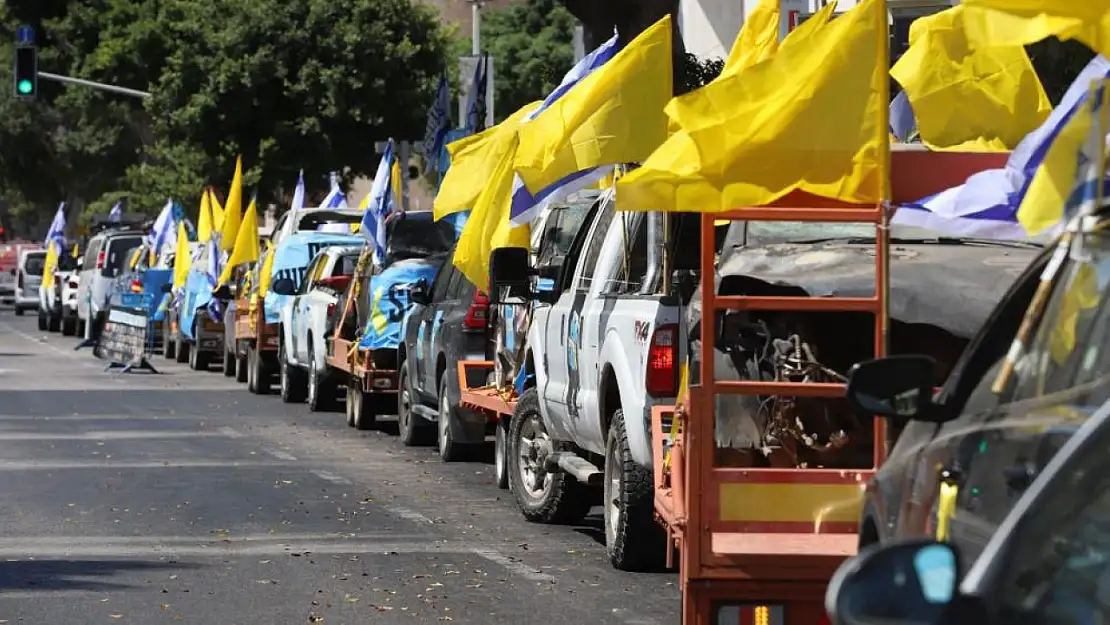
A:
{"x": 25, "y": 87}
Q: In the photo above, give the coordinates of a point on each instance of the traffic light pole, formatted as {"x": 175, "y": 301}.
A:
{"x": 135, "y": 93}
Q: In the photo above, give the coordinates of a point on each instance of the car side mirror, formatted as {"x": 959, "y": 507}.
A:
{"x": 418, "y": 294}
{"x": 896, "y": 387}
{"x": 913, "y": 582}
{"x": 223, "y": 293}
{"x": 167, "y": 287}
{"x": 508, "y": 269}
{"x": 284, "y": 286}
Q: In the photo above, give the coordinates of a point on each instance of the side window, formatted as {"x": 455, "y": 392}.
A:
{"x": 95, "y": 245}
{"x": 595, "y": 244}
{"x": 634, "y": 261}
{"x": 315, "y": 269}
{"x": 443, "y": 276}
{"x": 455, "y": 285}
{"x": 1067, "y": 348}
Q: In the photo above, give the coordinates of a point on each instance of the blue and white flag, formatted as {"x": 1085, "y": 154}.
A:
{"x": 525, "y": 205}
{"x": 56, "y": 232}
{"x": 476, "y": 99}
{"x": 297, "y": 205}
{"x": 335, "y": 198}
{"x": 439, "y": 122}
{"x": 389, "y": 301}
{"x": 164, "y": 230}
{"x": 380, "y": 205}
{"x": 987, "y": 204}
{"x": 903, "y": 123}
{"x": 1086, "y": 194}
{"x": 116, "y": 214}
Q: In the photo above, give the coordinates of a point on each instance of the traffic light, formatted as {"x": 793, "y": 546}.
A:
{"x": 26, "y": 72}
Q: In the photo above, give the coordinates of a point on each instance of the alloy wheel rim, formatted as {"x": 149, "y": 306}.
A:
{"x": 612, "y": 493}
{"x": 444, "y": 426}
{"x": 534, "y": 444}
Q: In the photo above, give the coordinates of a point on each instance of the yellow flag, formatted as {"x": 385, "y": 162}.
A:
{"x": 50, "y": 265}
{"x": 758, "y": 39}
{"x": 1022, "y": 22}
{"x": 967, "y": 97}
{"x": 614, "y": 115}
{"x": 1052, "y": 184}
{"x": 181, "y": 259}
{"x": 395, "y": 183}
{"x": 752, "y": 137}
{"x": 246, "y": 248}
{"x": 217, "y": 211}
{"x": 233, "y": 212}
{"x": 488, "y": 227}
{"x": 473, "y": 162}
{"x": 266, "y": 271}
{"x": 205, "y": 224}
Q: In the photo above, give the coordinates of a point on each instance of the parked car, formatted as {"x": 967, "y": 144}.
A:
{"x": 966, "y": 456}
{"x": 306, "y": 325}
{"x": 28, "y": 279}
{"x": 310, "y": 220}
{"x": 50, "y": 297}
{"x": 1048, "y": 562}
{"x": 70, "y": 285}
{"x": 106, "y": 255}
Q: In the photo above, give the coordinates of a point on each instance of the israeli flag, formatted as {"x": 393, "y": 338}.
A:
{"x": 380, "y": 205}
{"x": 164, "y": 230}
{"x": 1084, "y": 198}
{"x": 525, "y": 205}
{"x": 335, "y": 198}
{"x": 987, "y": 204}
{"x": 56, "y": 232}
{"x": 439, "y": 122}
{"x": 903, "y": 123}
{"x": 116, "y": 214}
{"x": 212, "y": 272}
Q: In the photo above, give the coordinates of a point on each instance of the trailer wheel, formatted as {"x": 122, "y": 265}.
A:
{"x": 181, "y": 353}
{"x": 542, "y": 497}
{"x": 262, "y": 375}
{"x": 169, "y": 347}
{"x": 633, "y": 539}
{"x": 228, "y": 366}
{"x": 293, "y": 384}
{"x": 366, "y": 417}
{"x": 350, "y": 405}
{"x": 53, "y": 323}
{"x": 413, "y": 429}
{"x": 500, "y": 454}
{"x": 252, "y": 382}
{"x": 321, "y": 387}
{"x": 242, "y": 369}
{"x": 42, "y": 321}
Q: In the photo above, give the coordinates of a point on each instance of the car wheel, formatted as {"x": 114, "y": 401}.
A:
{"x": 633, "y": 540}
{"x": 414, "y": 429}
{"x": 42, "y": 321}
{"x": 169, "y": 346}
{"x": 542, "y": 496}
{"x": 500, "y": 454}
{"x": 228, "y": 365}
{"x": 262, "y": 374}
{"x": 53, "y": 323}
{"x": 69, "y": 327}
{"x": 449, "y": 450}
{"x": 321, "y": 388}
{"x": 242, "y": 370}
{"x": 252, "y": 370}
{"x": 181, "y": 350}
{"x": 292, "y": 382}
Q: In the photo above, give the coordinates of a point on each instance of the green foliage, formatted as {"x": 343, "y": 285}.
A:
{"x": 532, "y": 46}
{"x": 699, "y": 72}
{"x": 288, "y": 85}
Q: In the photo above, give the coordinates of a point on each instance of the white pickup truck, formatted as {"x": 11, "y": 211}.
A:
{"x": 306, "y": 324}
{"x": 600, "y": 354}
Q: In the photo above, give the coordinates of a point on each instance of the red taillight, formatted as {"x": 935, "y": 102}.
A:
{"x": 136, "y": 286}
{"x": 662, "y": 362}
{"x": 476, "y": 316}
{"x": 101, "y": 259}
{"x": 73, "y": 284}
{"x": 331, "y": 310}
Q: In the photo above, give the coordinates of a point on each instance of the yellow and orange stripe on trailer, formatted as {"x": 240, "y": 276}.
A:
{"x": 821, "y": 501}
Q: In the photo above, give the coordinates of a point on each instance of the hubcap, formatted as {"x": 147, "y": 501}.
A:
{"x": 499, "y": 452}
{"x": 534, "y": 445}
{"x": 444, "y": 426}
{"x": 312, "y": 381}
{"x": 403, "y": 409}
{"x": 612, "y": 494}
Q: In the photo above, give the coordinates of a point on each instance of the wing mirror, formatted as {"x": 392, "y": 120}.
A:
{"x": 896, "y": 387}
{"x": 913, "y": 582}
{"x": 418, "y": 294}
{"x": 284, "y": 286}
{"x": 223, "y": 293}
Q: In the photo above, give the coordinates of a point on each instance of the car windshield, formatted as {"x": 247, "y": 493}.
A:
{"x": 35, "y": 263}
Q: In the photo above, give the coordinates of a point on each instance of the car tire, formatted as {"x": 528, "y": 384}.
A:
{"x": 560, "y": 498}
{"x": 18, "y": 311}
{"x": 69, "y": 327}
{"x": 199, "y": 360}
{"x": 263, "y": 379}
{"x": 365, "y": 415}
{"x": 242, "y": 370}
{"x": 349, "y": 405}
{"x": 42, "y": 321}
{"x": 414, "y": 429}
{"x": 169, "y": 346}
{"x": 181, "y": 350}
{"x": 501, "y": 454}
{"x": 53, "y": 323}
{"x": 449, "y": 449}
{"x": 293, "y": 385}
{"x": 633, "y": 540}
{"x": 228, "y": 365}
{"x": 321, "y": 388}
{"x": 252, "y": 370}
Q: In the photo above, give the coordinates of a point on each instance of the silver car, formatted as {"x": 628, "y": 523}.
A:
{"x": 105, "y": 259}
{"x": 28, "y": 278}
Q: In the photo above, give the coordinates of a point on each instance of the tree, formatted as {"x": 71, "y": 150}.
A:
{"x": 531, "y": 43}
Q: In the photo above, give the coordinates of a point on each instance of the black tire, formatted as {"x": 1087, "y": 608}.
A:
{"x": 181, "y": 351}
{"x": 53, "y": 323}
{"x": 81, "y": 325}
{"x": 69, "y": 327}
{"x": 169, "y": 346}
{"x": 252, "y": 370}
{"x": 262, "y": 376}
{"x": 501, "y": 454}
{"x": 449, "y": 449}
{"x": 350, "y": 406}
{"x": 42, "y": 321}
{"x": 293, "y": 385}
{"x": 563, "y": 499}
{"x": 321, "y": 387}
{"x": 199, "y": 360}
{"x": 18, "y": 311}
{"x": 634, "y": 541}
{"x": 242, "y": 370}
{"x": 365, "y": 416}
{"x": 228, "y": 365}
{"x": 414, "y": 429}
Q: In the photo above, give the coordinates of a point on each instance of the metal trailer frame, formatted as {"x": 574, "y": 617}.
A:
{"x": 364, "y": 382}
{"x": 255, "y": 340}
{"x": 758, "y": 545}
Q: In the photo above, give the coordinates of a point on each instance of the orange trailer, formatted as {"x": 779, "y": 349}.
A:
{"x": 757, "y": 546}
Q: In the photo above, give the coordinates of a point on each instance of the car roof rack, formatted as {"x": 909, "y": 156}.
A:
{"x": 126, "y": 223}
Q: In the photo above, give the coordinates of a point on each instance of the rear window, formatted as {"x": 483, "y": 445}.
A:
{"x": 95, "y": 245}
{"x": 415, "y": 235}
{"x": 345, "y": 265}
{"x": 34, "y": 263}
{"x": 119, "y": 248}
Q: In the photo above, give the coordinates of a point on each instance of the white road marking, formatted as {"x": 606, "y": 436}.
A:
{"x": 230, "y": 545}
{"x": 281, "y": 455}
{"x": 405, "y": 513}
{"x": 34, "y": 465}
{"x": 331, "y": 477}
{"x": 120, "y": 435}
{"x": 514, "y": 566}
{"x": 106, "y": 417}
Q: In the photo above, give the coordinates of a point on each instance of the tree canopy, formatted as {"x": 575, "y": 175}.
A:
{"x": 289, "y": 85}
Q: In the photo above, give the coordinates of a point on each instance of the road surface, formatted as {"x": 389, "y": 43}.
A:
{"x": 181, "y": 498}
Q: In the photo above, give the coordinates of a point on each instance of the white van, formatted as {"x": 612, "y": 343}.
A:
{"x": 28, "y": 279}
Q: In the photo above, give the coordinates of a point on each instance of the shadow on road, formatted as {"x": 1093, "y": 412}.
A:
{"x": 89, "y": 575}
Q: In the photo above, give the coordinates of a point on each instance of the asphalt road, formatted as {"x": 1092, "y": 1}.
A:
{"x": 181, "y": 498}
